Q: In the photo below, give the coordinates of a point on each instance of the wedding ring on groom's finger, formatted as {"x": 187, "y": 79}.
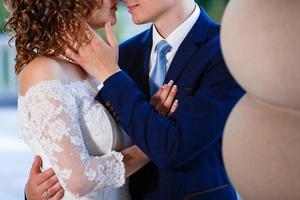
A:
{"x": 46, "y": 194}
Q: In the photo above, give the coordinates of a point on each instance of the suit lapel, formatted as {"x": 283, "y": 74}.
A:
{"x": 143, "y": 52}
{"x": 146, "y": 46}
{"x": 189, "y": 46}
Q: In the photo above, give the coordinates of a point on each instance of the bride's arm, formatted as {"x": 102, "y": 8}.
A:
{"x": 134, "y": 158}
{"x": 54, "y": 126}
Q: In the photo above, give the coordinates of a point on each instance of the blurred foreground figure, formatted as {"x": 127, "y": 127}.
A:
{"x": 260, "y": 40}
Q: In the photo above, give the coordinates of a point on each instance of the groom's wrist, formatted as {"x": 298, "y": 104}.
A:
{"x": 101, "y": 85}
{"x": 105, "y": 74}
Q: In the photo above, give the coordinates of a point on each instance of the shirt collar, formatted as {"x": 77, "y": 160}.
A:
{"x": 177, "y": 36}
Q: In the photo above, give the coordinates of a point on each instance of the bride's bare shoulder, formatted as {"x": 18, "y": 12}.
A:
{"x": 39, "y": 69}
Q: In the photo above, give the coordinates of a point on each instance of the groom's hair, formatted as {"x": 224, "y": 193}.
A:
{"x": 46, "y": 27}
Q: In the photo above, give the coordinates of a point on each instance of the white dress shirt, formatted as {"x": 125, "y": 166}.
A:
{"x": 174, "y": 39}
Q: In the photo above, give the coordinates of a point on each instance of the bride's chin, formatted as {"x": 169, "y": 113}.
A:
{"x": 113, "y": 19}
{"x": 96, "y": 26}
{"x": 113, "y": 22}
{"x": 102, "y": 24}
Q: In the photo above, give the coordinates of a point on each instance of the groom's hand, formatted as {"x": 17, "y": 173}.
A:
{"x": 164, "y": 100}
{"x": 98, "y": 58}
{"x": 42, "y": 185}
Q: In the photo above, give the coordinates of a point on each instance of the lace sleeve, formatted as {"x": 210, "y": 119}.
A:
{"x": 53, "y": 115}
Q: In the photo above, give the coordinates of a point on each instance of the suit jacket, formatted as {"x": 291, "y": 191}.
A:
{"x": 185, "y": 148}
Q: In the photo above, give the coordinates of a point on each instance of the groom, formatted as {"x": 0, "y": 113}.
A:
{"x": 182, "y": 45}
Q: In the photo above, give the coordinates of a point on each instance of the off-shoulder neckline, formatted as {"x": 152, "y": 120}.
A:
{"x": 52, "y": 82}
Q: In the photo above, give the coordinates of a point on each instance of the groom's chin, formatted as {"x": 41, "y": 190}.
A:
{"x": 138, "y": 21}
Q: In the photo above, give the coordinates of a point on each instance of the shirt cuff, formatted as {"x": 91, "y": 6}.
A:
{"x": 101, "y": 85}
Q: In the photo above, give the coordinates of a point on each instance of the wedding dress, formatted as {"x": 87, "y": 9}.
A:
{"x": 77, "y": 137}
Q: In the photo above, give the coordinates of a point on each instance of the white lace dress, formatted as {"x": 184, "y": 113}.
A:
{"x": 77, "y": 137}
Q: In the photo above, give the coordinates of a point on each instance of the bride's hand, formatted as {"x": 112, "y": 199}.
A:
{"x": 134, "y": 159}
{"x": 164, "y": 100}
{"x": 98, "y": 58}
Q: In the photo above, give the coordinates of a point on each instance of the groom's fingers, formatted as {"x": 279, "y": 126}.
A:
{"x": 36, "y": 165}
{"x": 36, "y": 184}
{"x": 54, "y": 189}
{"x": 93, "y": 33}
{"x": 76, "y": 46}
{"x": 74, "y": 56}
{"x": 49, "y": 183}
{"x": 110, "y": 35}
{"x": 77, "y": 51}
{"x": 43, "y": 177}
{"x": 95, "y": 38}
{"x": 58, "y": 196}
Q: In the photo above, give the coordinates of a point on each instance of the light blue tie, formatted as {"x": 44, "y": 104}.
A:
{"x": 158, "y": 74}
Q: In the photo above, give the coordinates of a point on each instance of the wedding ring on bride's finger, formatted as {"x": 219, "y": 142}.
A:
{"x": 163, "y": 113}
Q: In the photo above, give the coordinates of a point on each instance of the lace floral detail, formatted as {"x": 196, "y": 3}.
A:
{"x": 49, "y": 117}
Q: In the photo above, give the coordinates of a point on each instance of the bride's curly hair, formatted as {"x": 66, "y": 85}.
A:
{"x": 46, "y": 27}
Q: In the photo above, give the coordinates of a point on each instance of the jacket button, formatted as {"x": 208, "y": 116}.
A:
{"x": 108, "y": 104}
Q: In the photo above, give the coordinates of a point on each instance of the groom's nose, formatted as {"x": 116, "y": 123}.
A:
{"x": 127, "y": 2}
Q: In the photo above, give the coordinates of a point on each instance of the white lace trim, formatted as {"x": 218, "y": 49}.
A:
{"x": 49, "y": 117}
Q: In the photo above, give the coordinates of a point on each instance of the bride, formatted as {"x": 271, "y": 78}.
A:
{"x": 59, "y": 118}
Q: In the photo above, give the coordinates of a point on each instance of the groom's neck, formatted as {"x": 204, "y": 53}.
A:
{"x": 174, "y": 17}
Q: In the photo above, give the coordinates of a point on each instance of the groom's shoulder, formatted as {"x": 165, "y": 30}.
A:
{"x": 133, "y": 42}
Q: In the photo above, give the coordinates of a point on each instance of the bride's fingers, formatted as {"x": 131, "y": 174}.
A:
{"x": 163, "y": 97}
{"x": 155, "y": 97}
{"x": 169, "y": 100}
{"x": 174, "y": 107}
{"x": 110, "y": 35}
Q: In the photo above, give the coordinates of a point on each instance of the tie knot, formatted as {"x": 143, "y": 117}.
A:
{"x": 163, "y": 47}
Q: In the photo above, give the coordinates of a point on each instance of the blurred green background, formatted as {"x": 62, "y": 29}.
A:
{"x": 3, "y": 15}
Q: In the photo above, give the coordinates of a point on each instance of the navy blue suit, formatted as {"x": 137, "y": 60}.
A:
{"x": 185, "y": 148}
